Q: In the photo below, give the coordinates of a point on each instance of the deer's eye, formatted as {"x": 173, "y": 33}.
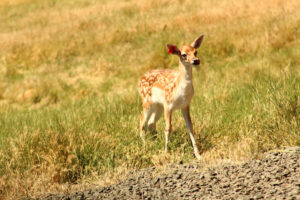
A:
{"x": 195, "y": 53}
{"x": 183, "y": 55}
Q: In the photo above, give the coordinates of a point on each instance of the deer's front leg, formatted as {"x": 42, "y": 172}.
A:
{"x": 189, "y": 125}
{"x": 168, "y": 116}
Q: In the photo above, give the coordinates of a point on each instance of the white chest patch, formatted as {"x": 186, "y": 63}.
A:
{"x": 183, "y": 95}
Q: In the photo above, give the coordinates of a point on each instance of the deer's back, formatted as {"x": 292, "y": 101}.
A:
{"x": 160, "y": 79}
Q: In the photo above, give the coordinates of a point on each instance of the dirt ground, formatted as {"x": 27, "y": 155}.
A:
{"x": 275, "y": 176}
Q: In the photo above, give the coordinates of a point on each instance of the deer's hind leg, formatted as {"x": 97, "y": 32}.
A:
{"x": 148, "y": 109}
{"x": 155, "y": 116}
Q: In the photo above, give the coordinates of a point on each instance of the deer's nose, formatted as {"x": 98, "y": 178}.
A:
{"x": 196, "y": 62}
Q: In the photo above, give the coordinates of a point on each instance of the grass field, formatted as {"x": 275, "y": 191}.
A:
{"x": 69, "y": 106}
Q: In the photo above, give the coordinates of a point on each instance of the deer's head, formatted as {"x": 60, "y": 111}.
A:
{"x": 187, "y": 53}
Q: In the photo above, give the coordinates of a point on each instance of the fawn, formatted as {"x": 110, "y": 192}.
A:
{"x": 165, "y": 90}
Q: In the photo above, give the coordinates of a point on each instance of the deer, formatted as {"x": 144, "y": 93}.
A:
{"x": 165, "y": 90}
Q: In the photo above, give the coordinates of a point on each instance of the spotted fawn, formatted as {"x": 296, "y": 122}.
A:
{"x": 165, "y": 90}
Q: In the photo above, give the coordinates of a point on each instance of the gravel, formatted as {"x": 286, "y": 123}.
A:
{"x": 276, "y": 176}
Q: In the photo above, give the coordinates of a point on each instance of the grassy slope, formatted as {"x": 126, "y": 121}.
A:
{"x": 69, "y": 108}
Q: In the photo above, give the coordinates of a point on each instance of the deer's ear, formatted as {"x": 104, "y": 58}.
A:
{"x": 196, "y": 44}
{"x": 173, "y": 49}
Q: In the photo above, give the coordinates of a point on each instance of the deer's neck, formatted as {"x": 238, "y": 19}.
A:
{"x": 185, "y": 72}
{"x": 184, "y": 90}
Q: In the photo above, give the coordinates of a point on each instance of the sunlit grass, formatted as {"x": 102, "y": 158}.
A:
{"x": 69, "y": 108}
